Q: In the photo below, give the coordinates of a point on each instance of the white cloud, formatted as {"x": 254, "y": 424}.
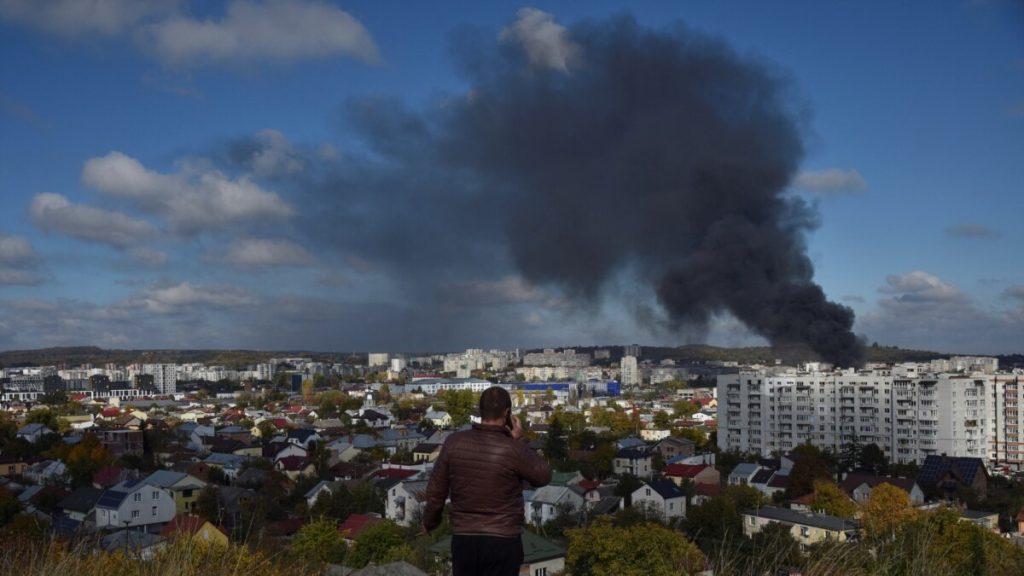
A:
{"x": 55, "y": 213}
{"x": 276, "y": 157}
{"x": 183, "y": 297}
{"x": 271, "y": 30}
{"x": 17, "y": 261}
{"x": 79, "y": 17}
{"x": 507, "y": 290}
{"x": 193, "y": 200}
{"x": 15, "y": 250}
{"x": 920, "y": 286}
{"x": 924, "y": 312}
{"x": 264, "y": 253}
{"x": 546, "y": 42}
{"x": 534, "y": 320}
{"x": 831, "y": 182}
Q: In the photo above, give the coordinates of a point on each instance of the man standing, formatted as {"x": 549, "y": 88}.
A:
{"x": 483, "y": 470}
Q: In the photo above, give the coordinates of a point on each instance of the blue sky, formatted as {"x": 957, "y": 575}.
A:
{"x": 171, "y": 171}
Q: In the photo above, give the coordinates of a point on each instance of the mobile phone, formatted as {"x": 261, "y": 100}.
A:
{"x": 508, "y": 421}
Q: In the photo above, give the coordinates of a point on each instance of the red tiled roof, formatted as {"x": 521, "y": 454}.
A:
{"x": 107, "y": 476}
{"x": 355, "y": 524}
{"x": 684, "y": 470}
{"x": 293, "y": 463}
{"x": 110, "y": 412}
{"x": 588, "y": 485}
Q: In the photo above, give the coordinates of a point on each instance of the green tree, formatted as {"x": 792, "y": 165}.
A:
{"x": 662, "y": 420}
{"x": 830, "y": 499}
{"x": 603, "y": 549}
{"x": 320, "y": 541}
{"x": 555, "y": 448}
{"x": 459, "y": 405}
{"x": 375, "y": 543}
{"x": 805, "y": 472}
{"x": 43, "y": 416}
{"x": 9, "y": 506}
{"x": 208, "y": 505}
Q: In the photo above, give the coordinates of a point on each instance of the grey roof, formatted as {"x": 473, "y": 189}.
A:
{"x": 81, "y": 500}
{"x": 230, "y": 460}
{"x": 164, "y": 478}
{"x": 129, "y": 539}
{"x": 32, "y": 429}
{"x": 744, "y": 469}
{"x": 788, "y": 516}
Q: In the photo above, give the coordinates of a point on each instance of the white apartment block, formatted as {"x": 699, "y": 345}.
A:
{"x": 165, "y": 377}
{"x": 378, "y": 359}
{"x": 907, "y": 411}
{"x": 630, "y": 371}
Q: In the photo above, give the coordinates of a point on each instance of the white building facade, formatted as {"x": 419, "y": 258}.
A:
{"x": 907, "y": 411}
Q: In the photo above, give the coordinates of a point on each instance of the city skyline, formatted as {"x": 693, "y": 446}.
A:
{"x": 177, "y": 175}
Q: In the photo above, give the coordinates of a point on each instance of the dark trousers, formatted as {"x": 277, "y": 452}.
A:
{"x": 486, "y": 555}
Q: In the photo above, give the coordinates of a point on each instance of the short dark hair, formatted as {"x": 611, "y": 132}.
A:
{"x": 494, "y": 402}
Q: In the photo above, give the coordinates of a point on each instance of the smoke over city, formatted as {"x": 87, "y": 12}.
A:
{"x": 583, "y": 154}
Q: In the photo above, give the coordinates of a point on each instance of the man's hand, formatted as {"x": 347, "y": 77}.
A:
{"x": 517, "y": 428}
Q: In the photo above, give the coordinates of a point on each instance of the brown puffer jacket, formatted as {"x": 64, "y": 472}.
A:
{"x": 483, "y": 470}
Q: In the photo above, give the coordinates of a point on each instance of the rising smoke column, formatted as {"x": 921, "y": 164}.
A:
{"x": 611, "y": 146}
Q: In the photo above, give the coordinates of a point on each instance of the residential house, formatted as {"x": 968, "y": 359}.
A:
{"x": 278, "y": 450}
{"x": 633, "y": 461}
{"x": 549, "y": 502}
{"x": 987, "y": 520}
{"x": 354, "y": 525}
{"x": 426, "y": 452}
{"x": 32, "y": 433}
{"x": 377, "y": 418}
{"x": 229, "y": 464}
{"x": 137, "y": 543}
{"x": 195, "y": 529}
{"x": 674, "y": 447}
{"x": 439, "y": 418}
{"x": 324, "y": 488}
{"x": 11, "y": 465}
{"x": 46, "y": 472}
{"x": 743, "y": 473}
{"x": 695, "y": 473}
{"x": 806, "y": 528}
{"x": 304, "y": 437}
{"x": 80, "y": 503}
{"x": 942, "y": 476}
{"x": 404, "y": 502}
{"x": 134, "y": 503}
{"x": 121, "y": 442}
{"x": 295, "y": 466}
{"x": 662, "y": 498}
{"x": 859, "y": 486}
{"x": 183, "y": 487}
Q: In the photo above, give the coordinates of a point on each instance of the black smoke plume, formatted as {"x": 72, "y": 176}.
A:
{"x": 661, "y": 152}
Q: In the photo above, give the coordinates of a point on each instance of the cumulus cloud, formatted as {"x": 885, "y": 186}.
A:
{"x": 920, "y": 286}
{"x": 268, "y": 154}
{"x": 148, "y": 256}
{"x": 78, "y": 17}
{"x": 171, "y": 298}
{"x": 971, "y": 231}
{"x": 18, "y": 261}
{"x": 920, "y": 310}
{"x": 831, "y": 182}
{"x": 193, "y": 200}
{"x": 507, "y": 290}
{"x": 55, "y": 213}
{"x": 266, "y": 253}
{"x": 1015, "y": 292}
{"x": 261, "y": 31}
{"x": 546, "y": 42}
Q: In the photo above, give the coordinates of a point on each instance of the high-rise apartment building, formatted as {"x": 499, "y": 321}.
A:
{"x": 165, "y": 377}
{"x": 629, "y": 371}
{"x": 908, "y": 412}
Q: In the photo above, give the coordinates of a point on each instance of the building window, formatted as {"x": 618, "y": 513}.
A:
{"x": 540, "y": 572}
{"x": 156, "y": 495}
{"x": 138, "y": 497}
{"x": 154, "y": 510}
{"x": 135, "y": 513}
{"x": 805, "y": 531}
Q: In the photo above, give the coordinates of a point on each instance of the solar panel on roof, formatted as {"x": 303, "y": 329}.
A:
{"x": 111, "y": 499}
